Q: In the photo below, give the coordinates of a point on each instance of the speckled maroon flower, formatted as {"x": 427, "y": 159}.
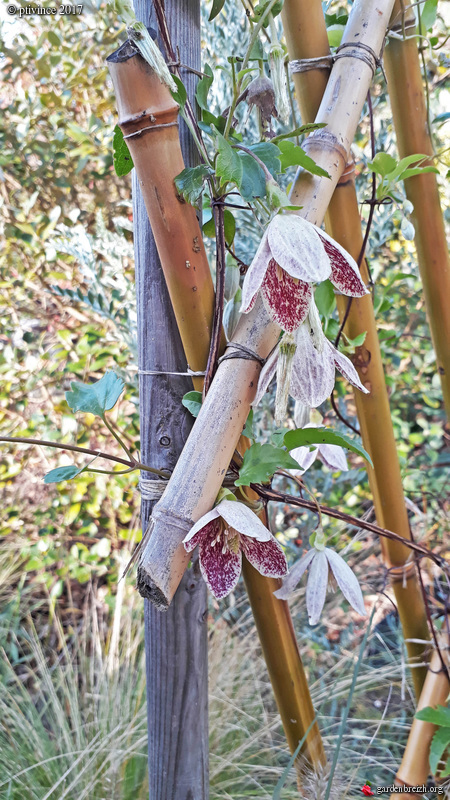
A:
{"x": 312, "y": 369}
{"x": 293, "y": 255}
{"x": 222, "y": 535}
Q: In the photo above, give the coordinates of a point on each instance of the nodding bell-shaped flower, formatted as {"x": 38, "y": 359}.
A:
{"x": 278, "y": 75}
{"x": 222, "y": 535}
{"x": 310, "y": 375}
{"x": 293, "y": 255}
{"x": 321, "y": 560}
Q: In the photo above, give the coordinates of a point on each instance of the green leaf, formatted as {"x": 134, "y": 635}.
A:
{"x": 438, "y": 716}
{"x": 269, "y": 153}
{"x": 189, "y": 182}
{"x": 292, "y": 155}
{"x": 123, "y": 163}
{"x": 203, "y": 87}
{"x": 193, "y": 402}
{"x": 180, "y": 95}
{"x": 230, "y": 226}
{"x": 257, "y": 51}
{"x": 260, "y": 463}
{"x": 442, "y": 117}
{"x": 95, "y": 398}
{"x": 403, "y": 164}
{"x": 310, "y": 436}
{"x": 253, "y": 181}
{"x": 358, "y": 340}
{"x": 62, "y": 474}
{"x": 382, "y": 164}
{"x": 259, "y": 9}
{"x": 335, "y": 33}
{"x": 248, "y": 430}
{"x": 228, "y": 163}
{"x": 408, "y": 173}
{"x": 216, "y": 9}
{"x": 439, "y": 744}
{"x": 307, "y": 128}
{"x": 428, "y": 14}
{"x": 325, "y": 298}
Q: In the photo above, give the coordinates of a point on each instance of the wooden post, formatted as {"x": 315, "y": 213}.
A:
{"x": 176, "y": 641}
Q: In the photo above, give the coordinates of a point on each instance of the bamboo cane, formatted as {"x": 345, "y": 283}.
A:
{"x": 145, "y": 106}
{"x": 415, "y": 766}
{"x": 155, "y": 176}
{"x": 411, "y": 126}
{"x": 306, "y": 38}
{"x": 194, "y": 485}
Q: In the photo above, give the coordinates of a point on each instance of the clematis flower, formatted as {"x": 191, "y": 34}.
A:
{"x": 223, "y": 534}
{"x": 294, "y": 254}
{"x": 321, "y": 560}
{"x": 310, "y": 374}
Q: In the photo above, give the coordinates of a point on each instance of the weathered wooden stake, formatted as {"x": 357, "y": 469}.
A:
{"x": 176, "y": 641}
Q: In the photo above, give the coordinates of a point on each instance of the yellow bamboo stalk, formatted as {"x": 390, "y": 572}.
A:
{"x": 149, "y": 116}
{"x": 409, "y": 113}
{"x": 157, "y": 158}
{"x": 306, "y": 38}
{"x": 194, "y": 484}
{"x": 415, "y": 766}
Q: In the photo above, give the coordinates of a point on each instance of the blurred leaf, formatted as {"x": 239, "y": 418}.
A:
{"x": 203, "y": 87}
{"x": 216, "y": 9}
{"x": 335, "y": 34}
{"x": 248, "y": 430}
{"x": 180, "y": 95}
{"x": 325, "y": 298}
{"x": 428, "y": 14}
{"x": 62, "y": 474}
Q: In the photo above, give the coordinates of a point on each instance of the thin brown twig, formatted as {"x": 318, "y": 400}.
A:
{"x": 87, "y": 452}
{"x": 270, "y": 494}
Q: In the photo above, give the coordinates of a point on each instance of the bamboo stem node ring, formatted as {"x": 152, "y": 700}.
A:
{"x": 401, "y": 573}
{"x": 150, "y": 128}
{"x": 306, "y": 64}
{"x": 326, "y": 141}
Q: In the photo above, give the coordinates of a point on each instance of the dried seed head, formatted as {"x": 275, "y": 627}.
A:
{"x": 260, "y": 93}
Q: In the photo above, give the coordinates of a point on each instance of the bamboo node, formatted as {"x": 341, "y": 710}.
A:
{"x": 328, "y": 141}
{"x": 151, "y": 128}
{"x": 306, "y": 64}
{"x": 402, "y": 573}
